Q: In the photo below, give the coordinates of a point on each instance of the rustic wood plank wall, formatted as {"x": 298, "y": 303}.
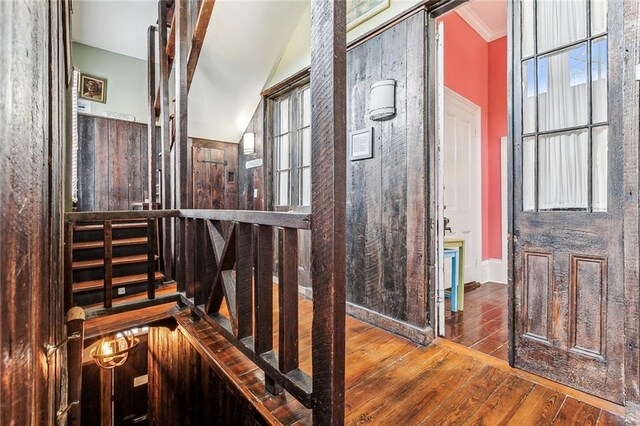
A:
{"x": 112, "y": 164}
{"x": 253, "y": 179}
{"x": 184, "y": 390}
{"x": 386, "y": 195}
{"x": 32, "y": 78}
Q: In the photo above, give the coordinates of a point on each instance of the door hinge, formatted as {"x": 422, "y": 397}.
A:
{"x": 638, "y": 72}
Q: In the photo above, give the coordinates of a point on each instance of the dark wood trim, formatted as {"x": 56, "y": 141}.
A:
{"x": 151, "y": 258}
{"x": 328, "y": 177}
{"x": 118, "y": 215}
{"x": 422, "y": 336}
{"x": 296, "y": 80}
{"x": 75, "y": 324}
{"x": 288, "y": 299}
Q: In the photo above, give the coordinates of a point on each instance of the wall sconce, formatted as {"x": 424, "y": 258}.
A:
{"x": 383, "y": 100}
{"x": 249, "y": 143}
{"x": 113, "y": 351}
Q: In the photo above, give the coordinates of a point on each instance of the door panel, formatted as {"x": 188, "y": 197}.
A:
{"x": 209, "y": 181}
{"x": 462, "y": 178}
{"x": 567, "y": 221}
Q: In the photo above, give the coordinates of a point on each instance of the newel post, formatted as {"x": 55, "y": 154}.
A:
{"x": 328, "y": 174}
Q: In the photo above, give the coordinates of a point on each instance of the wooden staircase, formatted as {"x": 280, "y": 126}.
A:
{"x": 129, "y": 261}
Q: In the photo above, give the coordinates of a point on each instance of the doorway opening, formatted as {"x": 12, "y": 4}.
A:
{"x": 472, "y": 294}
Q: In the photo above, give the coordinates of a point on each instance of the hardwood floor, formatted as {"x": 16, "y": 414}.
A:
{"x": 391, "y": 381}
{"x": 483, "y": 323}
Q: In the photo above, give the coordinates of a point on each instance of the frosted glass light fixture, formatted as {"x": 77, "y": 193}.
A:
{"x": 249, "y": 143}
{"x": 383, "y": 100}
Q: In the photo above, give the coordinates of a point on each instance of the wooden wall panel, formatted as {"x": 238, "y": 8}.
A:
{"x": 112, "y": 164}
{"x": 184, "y": 390}
{"x": 386, "y": 195}
{"x": 32, "y": 78}
{"x": 253, "y": 194}
{"x": 587, "y": 305}
{"x": 537, "y": 287}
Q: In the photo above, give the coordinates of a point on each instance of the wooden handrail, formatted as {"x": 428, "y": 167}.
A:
{"x": 256, "y": 217}
{"x": 118, "y": 215}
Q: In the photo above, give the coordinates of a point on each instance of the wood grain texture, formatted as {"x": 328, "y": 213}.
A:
{"x": 386, "y": 220}
{"x": 214, "y": 180}
{"x": 113, "y": 161}
{"x": 390, "y": 380}
{"x": 32, "y": 116}
{"x": 328, "y": 180}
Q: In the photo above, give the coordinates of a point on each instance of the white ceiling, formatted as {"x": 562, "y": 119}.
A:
{"x": 487, "y": 17}
{"x": 244, "y": 42}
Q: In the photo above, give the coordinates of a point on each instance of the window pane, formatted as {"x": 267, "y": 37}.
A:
{"x": 305, "y": 186}
{"x": 599, "y": 153}
{"x": 528, "y": 97}
{"x": 599, "y": 80}
{"x": 560, "y": 22}
{"x": 305, "y": 147}
{"x": 563, "y": 171}
{"x": 528, "y": 173}
{"x": 527, "y": 28}
{"x": 283, "y": 189}
{"x": 283, "y": 152}
{"x": 306, "y": 107}
{"x": 598, "y": 16}
{"x": 562, "y": 89}
{"x": 284, "y": 116}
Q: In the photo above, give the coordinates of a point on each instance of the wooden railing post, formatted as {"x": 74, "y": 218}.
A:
{"x": 288, "y": 299}
{"x": 108, "y": 264}
{"x": 151, "y": 258}
{"x": 165, "y": 136}
{"x": 68, "y": 265}
{"x": 243, "y": 325}
{"x": 151, "y": 129}
{"x": 328, "y": 206}
{"x": 75, "y": 347}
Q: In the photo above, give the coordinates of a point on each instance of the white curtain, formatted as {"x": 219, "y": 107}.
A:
{"x": 563, "y": 102}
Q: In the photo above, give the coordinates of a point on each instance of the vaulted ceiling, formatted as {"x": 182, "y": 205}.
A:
{"x": 244, "y": 42}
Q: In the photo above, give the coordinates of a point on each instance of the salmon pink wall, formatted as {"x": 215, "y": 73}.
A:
{"x": 477, "y": 70}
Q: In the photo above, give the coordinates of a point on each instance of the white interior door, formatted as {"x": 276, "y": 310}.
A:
{"x": 462, "y": 179}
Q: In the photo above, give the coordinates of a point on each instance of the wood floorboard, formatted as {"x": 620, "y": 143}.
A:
{"x": 483, "y": 323}
{"x": 391, "y": 381}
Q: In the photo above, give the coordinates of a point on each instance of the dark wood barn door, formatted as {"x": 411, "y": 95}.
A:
{"x": 209, "y": 180}
{"x": 568, "y": 194}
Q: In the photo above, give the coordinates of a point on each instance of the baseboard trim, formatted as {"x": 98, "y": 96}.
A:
{"x": 494, "y": 270}
{"x": 421, "y": 336}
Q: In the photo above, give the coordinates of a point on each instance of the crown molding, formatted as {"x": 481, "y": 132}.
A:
{"x": 478, "y": 24}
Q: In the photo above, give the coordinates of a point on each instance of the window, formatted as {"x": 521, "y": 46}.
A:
{"x": 564, "y": 105}
{"x": 292, "y": 148}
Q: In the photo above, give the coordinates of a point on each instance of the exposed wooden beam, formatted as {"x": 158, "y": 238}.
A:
{"x": 328, "y": 180}
{"x": 204, "y": 16}
{"x": 152, "y": 146}
{"x": 197, "y": 41}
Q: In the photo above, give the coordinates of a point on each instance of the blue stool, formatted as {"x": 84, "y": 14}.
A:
{"x": 453, "y": 255}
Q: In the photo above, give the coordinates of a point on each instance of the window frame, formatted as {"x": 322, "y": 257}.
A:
{"x": 293, "y": 93}
{"x": 590, "y": 126}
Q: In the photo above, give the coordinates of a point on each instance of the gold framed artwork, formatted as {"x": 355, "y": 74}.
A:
{"x": 359, "y": 11}
{"x": 93, "y": 88}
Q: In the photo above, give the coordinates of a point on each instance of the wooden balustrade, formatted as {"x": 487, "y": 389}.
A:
{"x": 229, "y": 257}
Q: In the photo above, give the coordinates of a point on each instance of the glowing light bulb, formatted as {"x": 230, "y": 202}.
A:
{"x": 106, "y": 348}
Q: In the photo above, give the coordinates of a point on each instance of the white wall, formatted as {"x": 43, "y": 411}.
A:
{"x": 297, "y": 55}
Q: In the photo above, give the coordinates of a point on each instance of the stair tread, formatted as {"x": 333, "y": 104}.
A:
{"x": 119, "y": 225}
{"x": 122, "y": 260}
{"x": 116, "y": 282}
{"x": 116, "y": 243}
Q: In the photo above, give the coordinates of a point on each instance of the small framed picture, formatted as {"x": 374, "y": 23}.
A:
{"x": 361, "y": 144}
{"x": 93, "y": 88}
